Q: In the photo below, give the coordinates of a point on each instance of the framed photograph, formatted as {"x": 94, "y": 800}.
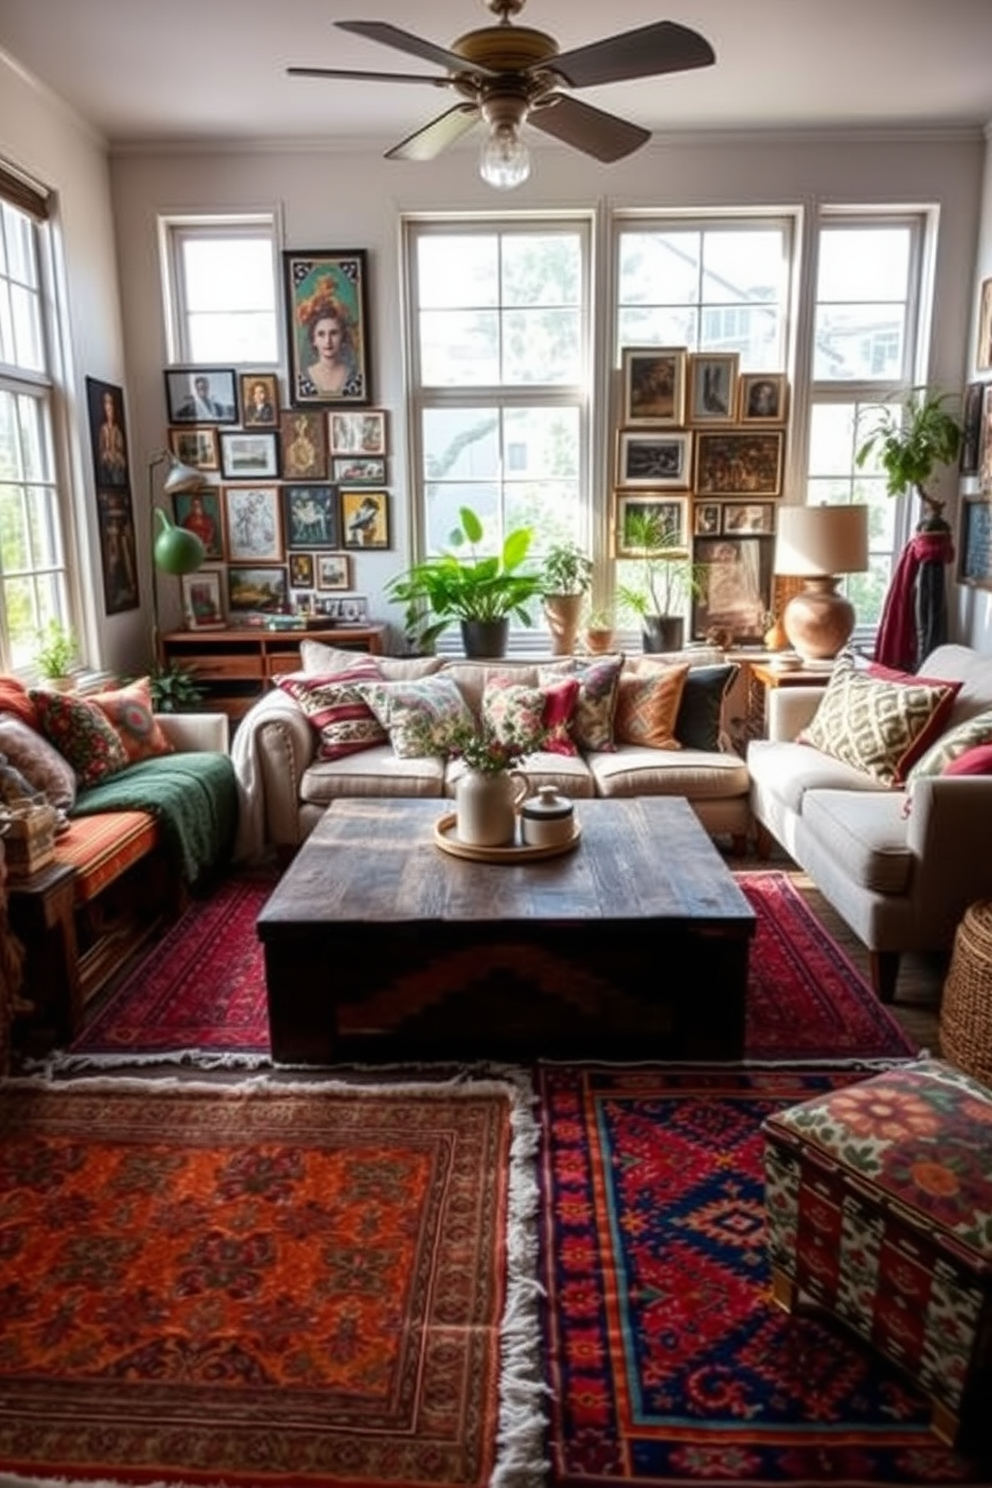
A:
{"x": 652, "y": 460}
{"x": 365, "y": 519}
{"x": 199, "y": 511}
{"x": 327, "y": 326}
{"x": 311, "y": 516}
{"x": 352, "y": 609}
{"x": 653, "y": 384}
{"x": 739, "y": 464}
{"x": 255, "y": 588}
{"x": 259, "y": 400}
{"x": 734, "y": 586}
{"x": 749, "y": 517}
{"x": 333, "y": 571}
{"x": 248, "y": 456}
{"x": 985, "y": 440}
{"x": 763, "y": 398}
{"x": 358, "y": 433}
{"x": 301, "y": 571}
{"x": 202, "y": 607}
{"x": 354, "y": 470}
{"x": 108, "y": 435}
{"x": 706, "y": 519}
{"x": 975, "y": 543}
{"x": 713, "y": 387}
{"x": 983, "y": 359}
{"x": 115, "y": 518}
{"x": 971, "y": 429}
{"x": 201, "y": 395}
{"x": 251, "y": 520}
{"x": 671, "y": 515}
{"x": 304, "y": 446}
{"x": 196, "y": 447}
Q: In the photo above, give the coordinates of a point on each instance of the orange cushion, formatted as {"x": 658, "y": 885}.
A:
{"x": 14, "y": 699}
{"x": 129, "y": 710}
{"x": 101, "y": 847}
{"x": 648, "y": 705}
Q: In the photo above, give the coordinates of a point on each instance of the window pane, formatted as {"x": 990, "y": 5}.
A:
{"x": 650, "y": 259}
{"x": 459, "y": 348}
{"x": 863, "y": 293}
{"x": 542, "y": 346}
{"x": 460, "y": 271}
{"x": 226, "y": 291}
{"x": 542, "y": 269}
{"x": 461, "y": 443}
{"x": 657, "y": 327}
{"x": 863, "y": 263}
{"x": 858, "y": 343}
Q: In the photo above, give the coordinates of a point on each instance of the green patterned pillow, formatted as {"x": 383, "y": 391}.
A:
{"x": 81, "y": 733}
{"x": 419, "y": 715}
{"x": 873, "y": 724}
{"x": 953, "y": 744}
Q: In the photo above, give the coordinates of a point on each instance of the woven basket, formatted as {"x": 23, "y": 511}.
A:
{"x": 966, "y": 1005}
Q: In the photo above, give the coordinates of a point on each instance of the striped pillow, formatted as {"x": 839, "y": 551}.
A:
{"x": 336, "y": 709}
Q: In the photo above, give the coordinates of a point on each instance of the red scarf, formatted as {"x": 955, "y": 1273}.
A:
{"x": 895, "y": 644}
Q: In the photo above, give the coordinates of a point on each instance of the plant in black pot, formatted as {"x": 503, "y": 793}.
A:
{"x": 666, "y": 580}
{"x": 481, "y": 591}
{"x": 566, "y": 578}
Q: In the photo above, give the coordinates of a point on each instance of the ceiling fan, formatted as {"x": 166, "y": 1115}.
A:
{"x": 507, "y": 75}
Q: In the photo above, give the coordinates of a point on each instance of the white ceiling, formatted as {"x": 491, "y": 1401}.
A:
{"x": 195, "y": 71}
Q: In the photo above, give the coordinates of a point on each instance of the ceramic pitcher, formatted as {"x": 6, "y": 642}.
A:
{"x": 486, "y": 806}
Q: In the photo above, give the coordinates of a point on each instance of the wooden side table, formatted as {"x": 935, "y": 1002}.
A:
{"x": 41, "y": 912}
{"x": 766, "y": 677}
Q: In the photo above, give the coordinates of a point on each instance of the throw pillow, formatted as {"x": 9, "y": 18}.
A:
{"x": 699, "y": 724}
{"x": 335, "y": 709}
{"x": 647, "y": 706}
{"x": 14, "y": 699}
{"x": 130, "y": 711}
{"x": 977, "y": 761}
{"x": 874, "y": 724}
{"x": 420, "y": 715}
{"x": 953, "y": 744}
{"x": 941, "y": 715}
{"x": 38, "y": 761}
{"x": 81, "y": 733}
{"x": 592, "y": 721}
{"x": 515, "y": 712}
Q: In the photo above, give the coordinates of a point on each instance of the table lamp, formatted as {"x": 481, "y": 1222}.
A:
{"x": 816, "y": 544}
{"x": 175, "y": 550}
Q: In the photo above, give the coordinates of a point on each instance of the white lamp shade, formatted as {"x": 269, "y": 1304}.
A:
{"x": 814, "y": 541}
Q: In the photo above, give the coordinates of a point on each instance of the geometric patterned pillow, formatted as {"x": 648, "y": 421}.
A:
{"x": 335, "y": 708}
{"x": 419, "y": 715}
{"x": 873, "y": 724}
{"x": 648, "y": 705}
{"x": 81, "y": 733}
{"x": 592, "y": 722}
{"x": 129, "y": 709}
{"x": 950, "y": 746}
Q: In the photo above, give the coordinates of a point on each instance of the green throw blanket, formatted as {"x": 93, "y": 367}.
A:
{"x": 193, "y": 795}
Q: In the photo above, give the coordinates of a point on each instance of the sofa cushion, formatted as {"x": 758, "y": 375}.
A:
{"x": 514, "y": 712}
{"x": 866, "y": 833}
{"x": 374, "y": 772}
{"x": 129, "y": 709}
{"x": 977, "y": 761}
{"x": 340, "y": 716}
{"x": 421, "y": 715}
{"x": 38, "y": 761}
{"x": 954, "y": 743}
{"x": 317, "y": 657}
{"x": 632, "y": 770}
{"x": 787, "y": 772}
{"x": 699, "y": 724}
{"x": 592, "y": 722}
{"x": 82, "y": 734}
{"x": 14, "y": 699}
{"x": 568, "y": 773}
{"x": 647, "y": 706}
{"x": 875, "y": 724}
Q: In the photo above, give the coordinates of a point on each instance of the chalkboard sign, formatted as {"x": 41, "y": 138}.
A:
{"x": 975, "y": 547}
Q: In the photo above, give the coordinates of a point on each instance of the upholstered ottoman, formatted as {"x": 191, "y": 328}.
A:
{"x": 879, "y": 1208}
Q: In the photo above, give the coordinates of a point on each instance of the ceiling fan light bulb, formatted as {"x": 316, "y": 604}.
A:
{"x": 504, "y": 160}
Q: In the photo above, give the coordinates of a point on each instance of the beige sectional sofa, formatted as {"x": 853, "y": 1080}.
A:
{"x": 899, "y": 862}
{"x": 285, "y": 787}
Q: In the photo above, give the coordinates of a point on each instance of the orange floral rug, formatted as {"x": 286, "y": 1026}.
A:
{"x": 269, "y": 1283}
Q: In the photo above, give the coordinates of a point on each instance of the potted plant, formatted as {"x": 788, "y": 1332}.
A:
{"x": 566, "y": 578}
{"x": 174, "y": 689}
{"x": 600, "y": 628}
{"x": 480, "y": 591}
{"x": 666, "y": 582}
{"x": 910, "y": 438}
{"x": 55, "y": 656}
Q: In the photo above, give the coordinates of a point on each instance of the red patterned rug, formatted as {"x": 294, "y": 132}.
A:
{"x": 668, "y": 1362}
{"x": 203, "y": 987}
{"x": 277, "y": 1284}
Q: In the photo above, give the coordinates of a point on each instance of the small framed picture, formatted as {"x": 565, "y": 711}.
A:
{"x": 201, "y": 395}
{"x": 985, "y": 440}
{"x": 706, "y": 519}
{"x": 259, "y": 400}
{"x": 653, "y": 384}
{"x": 199, "y": 512}
{"x": 663, "y": 516}
{"x": 358, "y": 433}
{"x": 196, "y": 447}
{"x": 328, "y": 325}
{"x": 251, "y": 518}
{"x": 983, "y": 359}
{"x": 354, "y": 470}
{"x": 365, "y": 518}
{"x": 971, "y": 429}
{"x": 739, "y": 464}
{"x": 301, "y": 571}
{"x": 246, "y": 456}
{"x": 312, "y": 516}
{"x": 975, "y": 543}
{"x": 304, "y": 446}
{"x": 652, "y": 460}
{"x": 256, "y": 588}
{"x": 713, "y": 387}
{"x": 333, "y": 571}
{"x": 749, "y": 517}
{"x": 108, "y": 435}
{"x": 763, "y": 398}
{"x": 734, "y": 576}
{"x": 352, "y": 609}
{"x": 202, "y": 600}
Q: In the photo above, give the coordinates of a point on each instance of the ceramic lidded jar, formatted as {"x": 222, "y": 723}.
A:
{"x": 547, "y": 818}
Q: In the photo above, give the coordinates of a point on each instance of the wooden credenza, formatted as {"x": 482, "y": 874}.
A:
{"x": 237, "y": 666}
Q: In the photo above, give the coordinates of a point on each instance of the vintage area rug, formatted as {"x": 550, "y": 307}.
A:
{"x": 202, "y": 989}
{"x": 273, "y": 1283}
{"x": 667, "y": 1360}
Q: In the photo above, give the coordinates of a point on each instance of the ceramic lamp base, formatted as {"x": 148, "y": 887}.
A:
{"x": 818, "y": 621}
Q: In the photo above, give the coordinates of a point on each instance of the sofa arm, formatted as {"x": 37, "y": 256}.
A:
{"x": 273, "y": 746}
{"x": 190, "y": 731}
{"x": 948, "y": 830}
{"x": 790, "y": 709}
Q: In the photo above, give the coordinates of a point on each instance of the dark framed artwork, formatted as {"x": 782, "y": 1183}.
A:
{"x": 245, "y": 456}
{"x": 108, "y": 434}
{"x": 653, "y": 384}
{"x": 739, "y": 464}
{"x": 304, "y": 446}
{"x": 734, "y": 586}
{"x": 365, "y": 518}
{"x": 763, "y": 397}
{"x": 117, "y": 550}
{"x": 327, "y": 326}
{"x": 311, "y": 517}
{"x": 975, "y": 542}
{"x": 983, "y": 359}
{"x": 971, "y": 429}
{"x": 259, "y": 400}
{"x": 201, "y": 395}
{"x": 650, "y": 460}
{"x": 333, "y": 571}
{"x": 255, "y": 587}
{"x": 301, "y": 570}
{"x": 196, "y": 447}
{"x": 199, "y": 511}
{"x": 706, "y": 518}
{"x": 713, "y": 387}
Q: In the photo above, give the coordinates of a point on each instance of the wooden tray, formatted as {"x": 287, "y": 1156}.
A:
{"x": 447, "y": 841}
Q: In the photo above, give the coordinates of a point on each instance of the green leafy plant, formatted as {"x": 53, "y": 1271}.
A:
{"x": 910, "y": 438}
{"x": 56, "y": 651}
{"x": 567, "y": 569}
{"x": 667, "y": 578}
{"x": 174, "y": 689}
{"x": 438, "y": 591}
{"x": 482, "y": 749}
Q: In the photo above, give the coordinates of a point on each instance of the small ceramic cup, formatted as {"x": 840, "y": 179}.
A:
{"x": 547, "y": 818}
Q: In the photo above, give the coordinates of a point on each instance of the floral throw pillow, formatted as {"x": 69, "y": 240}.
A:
{"x": 130, "y": 711}
{"x": 515, "y": 712}
{"x": 420, "y": 715}
{"x": 336, "y": 709}
{"x": 592, "y": 721}
{"x": 81, "y": 733}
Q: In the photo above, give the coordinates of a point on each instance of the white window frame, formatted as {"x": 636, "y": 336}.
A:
{"x": 173, "y": 232}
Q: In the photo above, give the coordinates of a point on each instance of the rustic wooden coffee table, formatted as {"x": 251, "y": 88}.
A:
{"x": 633, "y": 944}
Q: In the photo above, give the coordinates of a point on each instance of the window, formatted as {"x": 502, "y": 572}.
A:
{"x": 499, "y": 355}
{"x": 221, "y": 275}
{"x": 865, "y": 350}
{"x": 33, "y": 580}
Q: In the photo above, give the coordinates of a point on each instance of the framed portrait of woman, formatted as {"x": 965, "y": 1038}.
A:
{"x": 327, "y": 326}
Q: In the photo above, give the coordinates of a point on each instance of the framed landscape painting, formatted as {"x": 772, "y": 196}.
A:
{"x": 253, "y": 587}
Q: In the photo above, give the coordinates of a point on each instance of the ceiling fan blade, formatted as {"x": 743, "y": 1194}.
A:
{"x": 646, "y": 52}
{"x": 436, "y": 136}
{"x": 601, "y": 135}
{"x": 369, "y": 77}
{"x": 405, "y": 41}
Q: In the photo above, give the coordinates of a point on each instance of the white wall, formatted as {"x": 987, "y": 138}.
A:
{"x": 972, "y": 615}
